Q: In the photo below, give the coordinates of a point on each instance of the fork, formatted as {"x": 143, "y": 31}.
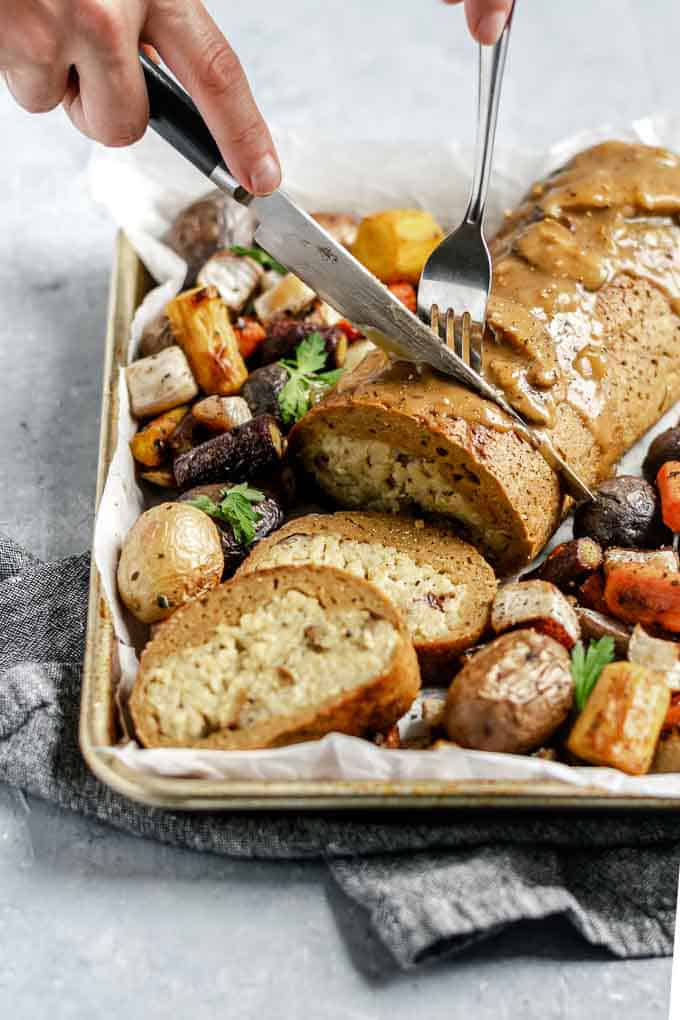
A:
{"x": 455, "y": 283}
{"x": 454, "y": 287}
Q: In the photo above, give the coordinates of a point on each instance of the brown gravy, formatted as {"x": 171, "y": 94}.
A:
{"x": 612, "y": 210}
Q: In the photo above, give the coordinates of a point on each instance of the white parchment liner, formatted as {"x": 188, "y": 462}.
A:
{"x": 143, "y": 188}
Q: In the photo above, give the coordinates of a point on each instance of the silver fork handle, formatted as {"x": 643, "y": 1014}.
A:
{"x": 491, "y": 65}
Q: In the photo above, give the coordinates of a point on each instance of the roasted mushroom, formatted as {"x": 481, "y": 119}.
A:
{"x": 625, "y": 512}
{"x": 262, "y": 388}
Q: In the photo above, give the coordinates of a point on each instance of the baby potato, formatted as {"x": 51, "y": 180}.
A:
{"x": 395, "y": 244}
{"x": 172, "y": 554}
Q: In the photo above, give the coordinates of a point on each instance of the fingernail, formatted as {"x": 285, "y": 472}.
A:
{"x": 265, "y": 176}
{"x": 490, "y": 28}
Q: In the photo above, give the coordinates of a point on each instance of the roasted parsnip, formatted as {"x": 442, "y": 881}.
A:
{"x": 201, "y": 324}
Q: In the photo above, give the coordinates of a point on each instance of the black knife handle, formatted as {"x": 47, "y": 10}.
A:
{"x": 176, "y": 119}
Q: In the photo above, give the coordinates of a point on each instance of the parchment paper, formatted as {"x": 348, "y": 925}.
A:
{"x": 143, "y": 188}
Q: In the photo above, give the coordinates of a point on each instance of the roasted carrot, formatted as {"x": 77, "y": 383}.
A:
{"x": 249, "y": 335}
{"x": 668, "y": 484}
{"x": 406, "y": 293}
{"x": 350, "y": 331}
{"x": 644, "y": 593}
{"x": 673, "y": 714}
{"x": 591, "y": 593}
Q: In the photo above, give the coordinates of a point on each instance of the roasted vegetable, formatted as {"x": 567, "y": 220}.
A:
{"x": 262, "y": 388}
{"x": 657, "y": 653}
{"x": 644, "y": 593}
{"x": 171, "y": 554}
{"x": 212, "y": 223}
{"x": 665, "y": 447}
{"x": 288, "y": 297}
{"x": 322, "y": 314}
{"x": 160, "y": 383}
{"x": 622, "y": 719}
{"x": 200, "y": 321}
{"x": 235, "y": 276}
{"x": 150, "y": 445}
{"x": 624, "y": 513}
{"x": 406, "y": 293}
{"x": 595, "y": 625}
{"x": 156, "y": 337}
{"x": 395, "y": 244}
{"x": 235, "y": 456}
{"x": 512, "y": 695}
{"x": 163, "y": 478}
{"x": 569, "y": 564}
{"x": 269, "y": 517}
{"x": 183, "y": 437}
{"x": 591, "y": 593}
{"x": 249, "y": 335}
{"x": 219, "y": 414}
{"x": 535, "y": 604}
{"x": 662, "y": 559}
{"x": 285, "y": 335}
{"x": 341, "y": 226}
{"x": 668, "y": 484}
{"x": 356, "y": 354}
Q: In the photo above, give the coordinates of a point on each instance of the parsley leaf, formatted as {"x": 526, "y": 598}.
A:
{"x": 304, "y": 373}
{"x": 587, "y": 666}
{"x": 258, "y": 255}
{"x": 235, "y": 508}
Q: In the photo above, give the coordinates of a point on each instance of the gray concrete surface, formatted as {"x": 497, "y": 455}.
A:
{"x": 98, "y": 925}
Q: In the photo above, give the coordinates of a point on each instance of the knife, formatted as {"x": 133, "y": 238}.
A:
{"x": 296, "y": 240}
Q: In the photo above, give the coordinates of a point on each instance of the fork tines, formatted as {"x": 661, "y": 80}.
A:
{"x": 459, "y": 333}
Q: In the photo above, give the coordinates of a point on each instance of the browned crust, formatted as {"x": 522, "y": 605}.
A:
{"x": 427, "y": 544}
{"x": 375, "y": 706}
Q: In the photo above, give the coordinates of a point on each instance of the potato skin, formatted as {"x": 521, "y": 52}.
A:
{"x": 172, "y": 554}
{"x": 512, "y": 695}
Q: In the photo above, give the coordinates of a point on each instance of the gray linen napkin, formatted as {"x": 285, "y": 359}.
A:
{"x": 425, "y": 886}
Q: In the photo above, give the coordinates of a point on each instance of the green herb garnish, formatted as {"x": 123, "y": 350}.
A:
{"x": 258, "y": 255}
{"x": 235, "y": 508}
{"x": 587, "y": 666}
{"x": 304, "y": 372}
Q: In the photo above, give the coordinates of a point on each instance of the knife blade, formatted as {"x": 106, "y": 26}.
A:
{"x": 296, "y": 240}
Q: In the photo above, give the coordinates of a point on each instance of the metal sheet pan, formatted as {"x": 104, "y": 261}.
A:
{"x": 98, "y": 717}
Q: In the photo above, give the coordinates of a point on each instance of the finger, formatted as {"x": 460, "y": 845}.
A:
{"x": 107, "y": 99}
{"x": 195, "y": 49}
{"x": 487, "y": 18}
{"x": 37, "y": 89}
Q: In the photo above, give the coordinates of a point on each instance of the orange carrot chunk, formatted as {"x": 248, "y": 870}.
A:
{"x": 249, "y": 335}
{"x": 644, "y": 593}
{"x": 406, "y": 293}
{"x": 668, "y": 484}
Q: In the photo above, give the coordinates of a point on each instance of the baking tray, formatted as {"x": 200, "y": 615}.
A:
{"x": 98, "y": 717}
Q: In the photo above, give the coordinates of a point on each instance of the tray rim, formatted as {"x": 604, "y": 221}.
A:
{"x": 128, "y": 283}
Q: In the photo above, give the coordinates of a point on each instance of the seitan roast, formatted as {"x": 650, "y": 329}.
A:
{"x": 277, "y": 657}
{"x": 583, "y": 335}
{"x": 441, "y": 585}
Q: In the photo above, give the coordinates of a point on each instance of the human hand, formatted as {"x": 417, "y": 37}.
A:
{"x": 83, "y": 54}
{"x": 486, "y": 18}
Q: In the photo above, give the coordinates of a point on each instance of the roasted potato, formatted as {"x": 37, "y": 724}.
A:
{"x": 173, "y": 553}
{"x": 511, "y": 695}
{"x": 201, "y": 324}
{"x": 219, "y": 414}
{"x": 160, "y": 382}
{"x": 288, "y": 297}
{"x": 149, "y": 446}
{"x": 395, "y": 244}
{"x": 622, "y": 719}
